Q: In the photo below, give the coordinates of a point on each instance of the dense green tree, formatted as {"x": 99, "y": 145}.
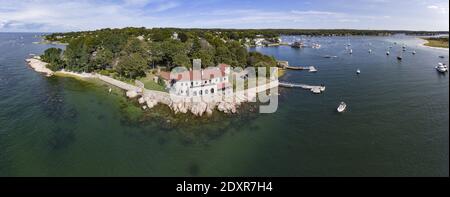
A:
{"x": 77, "y": 55}
{"x": 53, "y": 57}
{"x": 103, "y": 59}
{"x": 132, "y": 66}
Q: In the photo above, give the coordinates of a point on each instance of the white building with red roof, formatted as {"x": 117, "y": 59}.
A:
{"x": 200, "y": 82}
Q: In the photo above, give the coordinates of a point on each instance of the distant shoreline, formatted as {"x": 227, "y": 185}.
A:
{"x": 423, "y": 44}
{"x": 435, "y": 42}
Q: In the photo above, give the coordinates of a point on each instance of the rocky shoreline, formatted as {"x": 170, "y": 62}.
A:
{"x": 39, "y": 66}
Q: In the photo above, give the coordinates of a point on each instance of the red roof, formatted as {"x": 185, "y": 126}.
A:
{"x": 208, "y": 73}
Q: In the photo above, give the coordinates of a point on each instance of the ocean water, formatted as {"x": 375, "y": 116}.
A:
{"x": 397, "y": 121}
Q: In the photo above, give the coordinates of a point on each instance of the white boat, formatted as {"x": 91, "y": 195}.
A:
{"x": 413, "y": 52}
{"x": 358, "y": 71}
{"x": 370, "y": 50}
{"x": 442, "y": 68}
{"x": 312, "y": 69}
{"x": 315, "y": 46}
{"x": 387, "y": 52}
{"x": 342, "y": 107}
{"x": 351, "y": 51}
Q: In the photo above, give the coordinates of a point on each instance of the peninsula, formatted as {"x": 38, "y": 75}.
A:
{"x": 440, "y": 42}
{"x": 140, "y": 62}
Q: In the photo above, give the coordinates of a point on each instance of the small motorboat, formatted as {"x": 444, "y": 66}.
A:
{"x": 442, "y": 68}
{"x": 358, "y": 71}
{"x": 370, "y": 50}
{"x": 399, "y": 57}
{"x": 413, "y": 52}
{"x": 312, "y": 69}
{"x": 351, "y": 51}
{"x": 441, "y": 56}
{"x": 342, "y": 107}
{"x": 388, "y": 53}
{"x": 329, "y": 56}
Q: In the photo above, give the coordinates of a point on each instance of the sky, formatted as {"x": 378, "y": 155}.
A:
{"x": 62, "y": 16}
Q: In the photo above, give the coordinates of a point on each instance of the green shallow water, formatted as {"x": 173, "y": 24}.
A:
{"x": 396, "y": 125}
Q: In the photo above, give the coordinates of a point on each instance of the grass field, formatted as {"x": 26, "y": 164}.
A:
{"x": 437, "y": 42}
{"x": 150, "y": 84}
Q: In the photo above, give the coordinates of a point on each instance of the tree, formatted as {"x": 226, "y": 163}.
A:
{"x": 53, "y": 57}
{"x": 103, "y": 59}
{"x": 77, "y": 56}
{"x": 183, "y": 36}
{"x": 182, "y": 59}
{"x": 131, "y": 66}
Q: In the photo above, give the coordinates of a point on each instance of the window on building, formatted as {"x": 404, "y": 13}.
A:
{"x": 195, "y": 93}
{"x": 200, "y": 92}
{"x": 192, "y": 83}
{"x": 212, "y": 90}
{"x": 206, "y": 91}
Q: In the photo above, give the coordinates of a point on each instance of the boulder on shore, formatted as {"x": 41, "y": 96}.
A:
{"x": 141, "y": 100}
{"x": 131, "y": 94}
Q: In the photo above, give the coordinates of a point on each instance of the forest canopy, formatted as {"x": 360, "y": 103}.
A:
{"x": 131, "y": 52}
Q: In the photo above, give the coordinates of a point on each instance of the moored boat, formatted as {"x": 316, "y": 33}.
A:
{"x": 342, "y": 107}
{"x": 441, "y": 67}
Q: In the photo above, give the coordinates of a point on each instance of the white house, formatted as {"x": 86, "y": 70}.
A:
{"x": 209, "y": 81}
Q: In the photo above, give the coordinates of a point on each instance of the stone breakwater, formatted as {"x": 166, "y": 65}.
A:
{"x": 150, "y": 98}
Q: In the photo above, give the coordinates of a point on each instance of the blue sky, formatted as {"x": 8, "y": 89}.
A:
{"x": 57, "y": 15}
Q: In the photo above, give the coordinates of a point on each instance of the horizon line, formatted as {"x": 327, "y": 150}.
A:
{"x": 221, "y": 28}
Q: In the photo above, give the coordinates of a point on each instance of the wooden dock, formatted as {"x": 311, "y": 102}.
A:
{"x": 314, "y": 89}
{"x": 309, "y": 68}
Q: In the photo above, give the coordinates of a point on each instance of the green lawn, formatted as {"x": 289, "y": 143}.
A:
{"x": 150, "y": 84}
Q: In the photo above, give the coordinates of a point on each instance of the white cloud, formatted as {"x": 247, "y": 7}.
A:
{"x": 165, "y": 6}
{"x": 52, "y": 15}
{"x": 439, "y": 9}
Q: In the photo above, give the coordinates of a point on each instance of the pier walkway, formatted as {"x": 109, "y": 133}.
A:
{"x": 314, "y": 89}
{"x": 310, "y": 68}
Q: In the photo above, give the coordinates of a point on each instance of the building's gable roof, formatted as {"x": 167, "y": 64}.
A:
{"x": 208, "y": 73}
